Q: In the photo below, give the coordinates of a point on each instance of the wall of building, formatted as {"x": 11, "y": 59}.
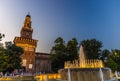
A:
{"x": 42, "y": 63}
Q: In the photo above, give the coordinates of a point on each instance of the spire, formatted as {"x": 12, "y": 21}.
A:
{"x": 26, "y": 31}
{"x": 27, "y": 22}
{"x": 28, "y": 15}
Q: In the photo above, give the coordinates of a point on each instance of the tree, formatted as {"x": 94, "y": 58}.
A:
{"x": 16, "y": 49}
{"x": 10, "y": 57}
{"x": 115, "y": 57}
{"x": 58, "y": 54}
{"x": 112, "y": 64}
{"x": 72, "y": 50}
{"x": 3, "y": 57}
{"x": 104, "y": 54}
{"x": 62, "y": 52}
{"x": 4, "y": 62}
{"x": 1, "y": 36}
{"x": 92, "y": 48}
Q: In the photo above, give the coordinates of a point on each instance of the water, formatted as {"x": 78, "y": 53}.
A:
{"x": 101, "y": 75}
{"x": 69, "y": 76}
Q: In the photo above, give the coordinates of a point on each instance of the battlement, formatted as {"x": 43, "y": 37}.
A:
{"x": 82, "y": 62}
{"x": 90, "y": 63}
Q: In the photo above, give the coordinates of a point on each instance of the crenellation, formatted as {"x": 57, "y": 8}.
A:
{"x": 84, "y": 63}
{"x": 88, "y": 64}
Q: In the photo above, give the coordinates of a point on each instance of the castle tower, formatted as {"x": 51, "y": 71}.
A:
{"x": 28, "y": 44}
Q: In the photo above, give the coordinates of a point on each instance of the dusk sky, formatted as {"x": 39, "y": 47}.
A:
{"x": 82, "y": 19}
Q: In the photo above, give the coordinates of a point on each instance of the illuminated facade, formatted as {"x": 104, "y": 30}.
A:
{"x": 28, "y": 44}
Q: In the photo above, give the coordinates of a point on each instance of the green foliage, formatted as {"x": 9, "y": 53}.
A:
{"x": 17, "y": 50}
{"x": 3, "y": 60}
{"x": 10, "y": 57}
{"x": 92, "y": 48}
{"x": 115, "y": 57}
{"x": 1, "y": 36}
{"x": 104, "y": 54}
{"x": 72, "y": 50}
{"x": 58, "y": 54}
{"x": 59, "y": 46}
{"x": 61, "y": 53}
{"x": 112, "y": 64}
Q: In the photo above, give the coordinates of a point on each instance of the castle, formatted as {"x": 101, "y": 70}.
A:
{"x": 31, "y": 61}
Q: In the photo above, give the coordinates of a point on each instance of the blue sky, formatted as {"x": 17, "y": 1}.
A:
{"x": 83, "y": 19}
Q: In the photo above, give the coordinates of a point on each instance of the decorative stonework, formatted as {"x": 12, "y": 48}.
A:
{"x": 28, "y": 44}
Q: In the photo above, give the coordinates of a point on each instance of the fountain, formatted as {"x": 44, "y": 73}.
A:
{"x": 84, "y": 69}
{"x": 69, "y": 76}
{"x": 116, "y": 74}
{"x": 101, "y": 75}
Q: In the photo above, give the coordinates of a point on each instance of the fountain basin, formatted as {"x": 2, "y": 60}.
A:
{"x": 85, "y": 74}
